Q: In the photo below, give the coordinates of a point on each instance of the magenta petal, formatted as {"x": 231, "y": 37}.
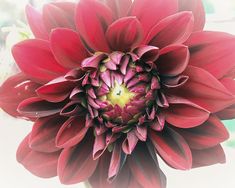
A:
{"x": 92, "y": 19}
{"x": 197, "y": 8}
{"x": 124, "y": 34}
{"x": 43, "y": 134}
{"x": 212, "y": 51}
{"x": 40, "y": 164}
{"x": 119, "y": 7}
{"x": 208, "y": 156}
{"x": 68, "y": 48}
{"x": 35, "y": 59}
{"x": 209, "y": 134}
{"x": 174, "y": 29}
{"x": 130, "y": 142}
{"x": 144, "y": 169}
{"x": 36, "y": 107}
{"x": 71, "y": 132}
{"x": 36, "y": 23}
{"x": 76, "y": 164}
{"x": 173, "y": 60}
{"x": 150, "y": 12}
{"x": 173, "y": 149}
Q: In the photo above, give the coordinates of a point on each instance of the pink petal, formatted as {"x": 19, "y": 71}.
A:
{"x": 55, "y": 16}
{"x": 36, "y": 107}
{"x": 120, "y": 8}
{"x": 208, "y": 156}
{"x": 124, "y": 34}
{"x": 210, "y": 95}
{"x": 173, "y": 60}
{"x": 56, "y": 90}
{"x": 35, "y": 59}
{"x": 43, "y": 134}
{"x": 68, "y": 48}
{"x": 38, "y": 163}
{"x": 173, "y": 149}
{"x": 100, "y": 146}
{"x": 174, "y": 29}
{"x": 36, "y": 23}
{"x": 92, "y": 19}
{"x": 209, "y": 134}
{"x": 144, "y": 169}
{"x": 183, "y": 113}
{"x": 212, "y": 51}
{"x": 76, "y": 164}
{"x": 71, "y": 133}
{"x": 14, "y": 90}
{"x": 196, "y": 6}
{"x": 130, "y": 142}
{"x": 150, "y": 12}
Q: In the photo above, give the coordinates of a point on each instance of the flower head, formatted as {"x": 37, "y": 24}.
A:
{"x": 110, "y": 84}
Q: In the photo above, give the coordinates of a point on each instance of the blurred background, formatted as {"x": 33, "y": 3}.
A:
{"x": 220, "y": 16}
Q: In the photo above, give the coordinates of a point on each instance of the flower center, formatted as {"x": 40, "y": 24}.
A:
{"x": 119, "y": 95}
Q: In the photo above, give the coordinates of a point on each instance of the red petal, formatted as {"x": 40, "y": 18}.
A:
{"x": 173, "y": 60}
{"x": 14, "y": 90}
{"x": 92, "y": 19}
{"x": 119, "y": 7}
{"x": 174, "y": 29}
{"x": 196, "y": 6}
{"x": 210, "y": 95}
{"x": 209, "y": 134}
{"x": 147, "y": 53}
{"x": 59, "y": 15}
{"x": 150, "y": 12}
{"x": 208, "y": 156}
{"x": 56, "y": 90}
{"x": 36, "y": 107}
{"x": 212, "y": 51}
{"x": 36, "y": 23}
{"x": 172, "y": 148}
{"x": 71, "y": 133}
{"x": 183, "y": 113}
{"x": 40, "y": 164}
{"x": 68, "y": 48}
{"x": 124, "y": 34}
{"x": 35, "y": 59}
{"x": 144, "y": 169}
{"x": 76, "y": 164}
{"x": 43, "y": 134}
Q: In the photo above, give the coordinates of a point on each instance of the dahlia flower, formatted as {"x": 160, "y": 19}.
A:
{"x": 112, "y": 85}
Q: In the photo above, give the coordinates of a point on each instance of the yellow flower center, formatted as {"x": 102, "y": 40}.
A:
{"x": 119, "y": 95}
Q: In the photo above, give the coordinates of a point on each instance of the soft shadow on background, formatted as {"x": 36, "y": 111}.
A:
{"x": 13, "y": 28}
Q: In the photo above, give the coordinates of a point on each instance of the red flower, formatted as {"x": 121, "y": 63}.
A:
{"x": 109, "y": 84}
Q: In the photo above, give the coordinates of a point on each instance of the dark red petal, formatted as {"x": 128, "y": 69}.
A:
{"x": 209, "y": 134}
{"x": 173, "y": 149}
{"x": 210, "y": 95}
{"x": 36, "y": 23}
{"x": 144, "y": 169}
{"x": 196, "y": 6}
{"x": 92, "y": 19}
{"x": 134, "y": 183}
{"x": 150, "y": 12}
{"x": 35, "y": 59}
{"x": 173, "y": 60}
{"x": 68, "y": 48}
{"x": 208, "y": 156}
{"x": 147, "y": 53}
{"x": 43, "y": 134}
{"x": 14, "y": 90}
{"x": 56, "y": 90}
{"x": 227, "y": 113}
{"x": 183, "y": 113}
{"x": 174, "y": 29}
{"x": 55, "y": 16}
{"x": 120, "y": 8}
{"x": 212, "y": 51}
{"x": 71, "y": 133}
{"x": 36, "y": 107}
{"x": 40, "y": 164}
{"x": 76, "y": 164}
{"x": 124, "y": 34}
